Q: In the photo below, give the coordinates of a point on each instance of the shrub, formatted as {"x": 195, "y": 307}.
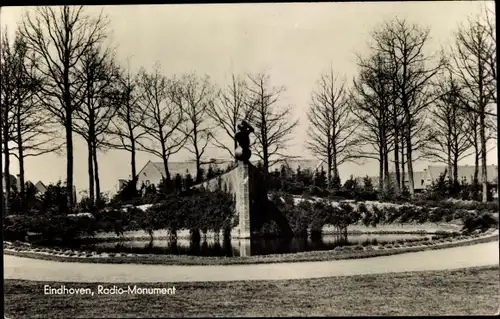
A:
{"x": 366, "y": 243}
{"x": 481, "y": 222}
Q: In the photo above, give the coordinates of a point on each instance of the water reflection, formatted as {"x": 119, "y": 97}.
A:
{"x": 233, "y": 247}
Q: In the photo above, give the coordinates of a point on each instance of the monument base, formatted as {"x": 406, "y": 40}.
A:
{"x": 245, "y": 247}
{"x": 242, "y": 183}
{"x": 244, "y": 235}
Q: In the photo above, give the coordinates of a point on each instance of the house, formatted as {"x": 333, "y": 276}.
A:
{"x": 418, "y": 180}
{"x": 41, "y": 188}
{"x": 16, "y": 181}
{"x": 295, "y": 163}
{"x": 425, "y": 178}
{"x": 465, "y": 174}
{"x": 153, "y": 172}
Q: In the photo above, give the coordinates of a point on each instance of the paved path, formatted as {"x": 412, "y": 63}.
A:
{"x": 449, "y": 258}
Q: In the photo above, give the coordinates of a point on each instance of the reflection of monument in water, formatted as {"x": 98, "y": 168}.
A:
{"x": 245, "y": 247}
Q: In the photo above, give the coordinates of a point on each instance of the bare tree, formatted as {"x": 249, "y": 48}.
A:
{"x": 332, "y": 126}
{"x": 448, "y": 140}
{"x": 162, "y": 118}
{"x": 272, "y": 123}
{"x": 125, "y": 128}
{"x": 403, "y": 44}
{"x": 8, "y": 60}
{"x": 194, "y": 95}
{"x": 231, "y": 106}
{"x": 474, "y": 51}
{"x": 34, "y": 132}
{"x": 59, "y": 38}
{"x": 99, "y": 75}
{"x": 370, "y": 103}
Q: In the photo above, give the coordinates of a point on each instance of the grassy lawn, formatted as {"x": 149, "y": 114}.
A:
{"x": 473, "y": 291}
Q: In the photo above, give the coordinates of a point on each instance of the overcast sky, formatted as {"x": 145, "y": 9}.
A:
{"x": 295, "y": 43}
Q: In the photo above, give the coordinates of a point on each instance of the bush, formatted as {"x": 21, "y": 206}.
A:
{"x": 196, "y": 209}
{"x": 479, "y": 221}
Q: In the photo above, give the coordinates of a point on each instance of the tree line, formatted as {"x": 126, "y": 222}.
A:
{"x": 404, "y": 105}
{"x": 408, "y": 104}
{"x": 60, "y": 71}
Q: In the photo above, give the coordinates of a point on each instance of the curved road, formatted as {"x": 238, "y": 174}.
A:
{"x": 449, "y": 258}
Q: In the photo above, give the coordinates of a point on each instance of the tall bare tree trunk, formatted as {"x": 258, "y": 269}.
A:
{"x": 329, "y": 172}
{"x": 387, "y": 180}
{"x": 455, "y": 168}
{"x": 484, "y": 171}
{"x": 96, "y": 174}
{"x": 90, "y": 164}
{"x": 476, "y": 165}
{"x": 5, "y": 133}
{"x": 132, "y": 159}
{"x": 396, "y": 161}
{"x": 409, "y": 162}
{"x": 335, "y": 169}
{"x": 6, "y": 173}
{"x": 2, "y": 207}
{"x": 381, "y": 170}
{"x": 403, "y": 171}
{"x": 450, "y": 164}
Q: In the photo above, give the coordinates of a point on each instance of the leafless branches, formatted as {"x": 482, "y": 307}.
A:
{"x": 162, "y": 119}
{"x": 272, "y": 123}
{"x": 125, "y": 127}
{"x": 195, "y": 95}
{"x": 370, "y": 102}
{"x": 473, "y": 56}
{"x": 29, "y": 129}
{"x": 332, "y": 125}
{"x": 230, "y": 107}
{"x": 402, "y": 44}
{"x": 58, "y": 38}
{"x": 448, "y": 140}
{"x": 99, "y": 74}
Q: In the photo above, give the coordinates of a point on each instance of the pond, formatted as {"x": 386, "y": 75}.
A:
{"x": 236, "y": 247}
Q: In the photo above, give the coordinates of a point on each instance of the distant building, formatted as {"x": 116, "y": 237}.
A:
{"x": 465, "y": 174}
{"x": 418, "y": 180}
{"x": 425, "y": 178}
{"x": 16, "y": 181}
{"x": 40, "y": 187}
{"x": 153, "y": 172}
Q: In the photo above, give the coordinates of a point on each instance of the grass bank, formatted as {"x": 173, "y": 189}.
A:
{"x": 472, "y": 291}
{"x": 348, "y": 252}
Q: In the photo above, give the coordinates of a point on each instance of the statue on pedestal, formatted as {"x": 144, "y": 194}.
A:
{"x": 242, "y": 137}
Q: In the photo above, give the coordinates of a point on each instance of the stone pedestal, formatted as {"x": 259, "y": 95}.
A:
{"x": 242, "y": 187}
{"x": 245, "y": 247}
